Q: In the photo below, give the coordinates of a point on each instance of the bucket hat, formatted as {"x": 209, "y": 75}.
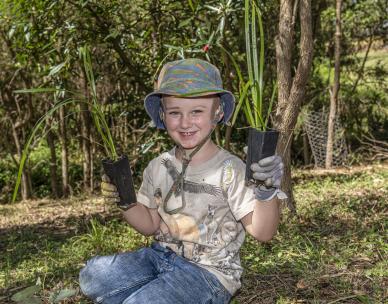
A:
{"x": 188, "y": 78}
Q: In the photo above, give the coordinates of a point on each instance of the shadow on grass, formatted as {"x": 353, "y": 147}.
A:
{"x": 38, "y": 250}
{"x": 23, "y": 242}
{"x": 321, "y": 255}
{"x": 339, "y": 177}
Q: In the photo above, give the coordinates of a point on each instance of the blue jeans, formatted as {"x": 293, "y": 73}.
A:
{"x": 150, "y": 275}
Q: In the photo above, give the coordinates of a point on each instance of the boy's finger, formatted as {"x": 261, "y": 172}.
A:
{"x": 274, "y": 167}
{"x": 261, "y": 176}
{"x": 269, "y": 161}
{"x": 108, "y": 187}
{"x": 111, "y": 200}
{"x": 268, "y": 182}
{"x": 109, "y": 193}
{"x": 105, "y": 178}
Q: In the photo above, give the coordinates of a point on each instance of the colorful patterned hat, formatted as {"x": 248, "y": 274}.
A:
{"x": 188, "y": 78}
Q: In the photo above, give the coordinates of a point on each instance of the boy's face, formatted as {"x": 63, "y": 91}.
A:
{"x": 189, "y": 120}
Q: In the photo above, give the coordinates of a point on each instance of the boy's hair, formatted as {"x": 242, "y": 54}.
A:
{"x": 188, "y": 78}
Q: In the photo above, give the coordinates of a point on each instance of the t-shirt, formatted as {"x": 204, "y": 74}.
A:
{"x": 214, "y": 197}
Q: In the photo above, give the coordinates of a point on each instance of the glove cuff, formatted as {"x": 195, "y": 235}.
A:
{"x": 265, "y": 194}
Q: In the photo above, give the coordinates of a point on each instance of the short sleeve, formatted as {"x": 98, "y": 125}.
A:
{"x": 241, "y": 198}
{"x": 145, "y": 195}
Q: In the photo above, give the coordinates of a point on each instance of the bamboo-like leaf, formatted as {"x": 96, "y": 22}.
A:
{"x": 248, "y": 112}
{"x": 170, "y": 51}
{"x": 216, "y": 9}
{"x": 261, "y": 54}
{"x": 274, "y": 90}
{"x": 242, "y": 97}
{"x": 191, "y": 5}
{"x": 30, "y": 138}
{"x": 37, "y": 90}
{"x": 248, "y": 41}
{"x": 43, "y": 90}
{"x": 234, "y": 62}
{"x": 56, "y": 69}
{"x": 210, "y": 40}
{"x": 97, "y": 114}
{"x": 256, "y": 87}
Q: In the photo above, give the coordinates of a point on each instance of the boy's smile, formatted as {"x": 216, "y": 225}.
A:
{"x": 189, "y": 120}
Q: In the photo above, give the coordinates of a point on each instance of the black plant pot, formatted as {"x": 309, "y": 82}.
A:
{"x": 119, "y": 172}
{"x": 261, "y": 144}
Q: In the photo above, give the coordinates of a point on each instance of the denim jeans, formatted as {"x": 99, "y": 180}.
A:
{"x": 150, "y": 275}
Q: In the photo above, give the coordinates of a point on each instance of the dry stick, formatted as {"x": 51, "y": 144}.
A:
{"x": 343, "y": 298}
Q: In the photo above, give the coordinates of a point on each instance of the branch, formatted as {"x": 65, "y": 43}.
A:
{"x": 361, "y": 70}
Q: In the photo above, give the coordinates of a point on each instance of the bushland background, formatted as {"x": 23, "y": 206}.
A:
{"x": 333, "y": 249}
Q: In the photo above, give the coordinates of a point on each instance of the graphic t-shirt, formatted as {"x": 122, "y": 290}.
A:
{"x": 214, "y": 197}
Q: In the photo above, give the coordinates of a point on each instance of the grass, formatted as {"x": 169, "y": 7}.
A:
{"x": 334, "y": 251}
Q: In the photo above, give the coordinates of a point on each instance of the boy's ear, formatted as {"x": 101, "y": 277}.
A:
{"x": 161, "y": 114}
{"x": 218, "y": 115}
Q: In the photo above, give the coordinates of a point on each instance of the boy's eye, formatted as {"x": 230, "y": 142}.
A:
{"x": 173, "y": 113}
{"x": 197, "y": 111}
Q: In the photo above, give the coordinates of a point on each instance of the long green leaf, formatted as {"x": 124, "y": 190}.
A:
{"x": 248, "y": 40}
{"x": 30, "y": 138}
{"x": 261, "y": 59}
{"x": 242, "y": 100}
{"x": 37, "y": 90}
{"x": 234, "y": 62}
{"x": 256, "y": 76}
{"x": 97, "y": 114}
{"x": 248, "y": 112}
{"x": 274, "y": 90}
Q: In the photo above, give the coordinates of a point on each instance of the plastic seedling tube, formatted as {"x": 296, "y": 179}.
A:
{"x": 261, "y": 144}
{"x": 119, "y": 172}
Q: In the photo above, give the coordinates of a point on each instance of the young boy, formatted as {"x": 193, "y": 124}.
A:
{"x": 193, "y": 199}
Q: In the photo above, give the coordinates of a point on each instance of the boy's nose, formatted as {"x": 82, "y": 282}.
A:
{"x": 186, "y": 122}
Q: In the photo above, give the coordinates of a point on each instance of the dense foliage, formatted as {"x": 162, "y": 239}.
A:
{"x": 129, "y": 41}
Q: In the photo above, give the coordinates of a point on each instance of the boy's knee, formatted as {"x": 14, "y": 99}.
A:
{"x": 90, "y": 276}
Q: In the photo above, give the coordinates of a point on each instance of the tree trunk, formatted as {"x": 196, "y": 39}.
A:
{"x": 291, "y": 89}
{"x": 53, "y": 163}
{"x": 335, "y": 89}
{"x": 64, "y": 152}
{"x": 306, "y": 151}
{"x": 85, "y": 138}
{"x": 93, "y": 152}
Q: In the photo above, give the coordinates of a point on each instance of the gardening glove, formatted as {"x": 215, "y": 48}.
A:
{"x": 109, "y": 191}
{"x": 268, "y": 172}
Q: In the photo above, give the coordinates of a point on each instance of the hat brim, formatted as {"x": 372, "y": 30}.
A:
{"x": 152, "y": 103}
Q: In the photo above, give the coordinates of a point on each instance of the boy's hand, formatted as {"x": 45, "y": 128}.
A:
{"x": 109, "y": 191}
{"x": 269, "y": 171}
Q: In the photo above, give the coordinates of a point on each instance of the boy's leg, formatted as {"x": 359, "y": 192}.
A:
{"x": 181, "y": 282}
{"x": 111, "y": 279}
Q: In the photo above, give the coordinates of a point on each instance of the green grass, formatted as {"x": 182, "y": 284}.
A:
{"x": 376, "y": 58}
{"x": 334, "y": 251}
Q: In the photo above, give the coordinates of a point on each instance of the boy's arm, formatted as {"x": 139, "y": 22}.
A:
{"x": 143, "y": 219}
{"x": 262, "y": 222}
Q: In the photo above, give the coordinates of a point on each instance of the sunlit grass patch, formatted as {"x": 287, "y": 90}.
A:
{"x": 334, "y": 250}
{"x": 336, "y": 247}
